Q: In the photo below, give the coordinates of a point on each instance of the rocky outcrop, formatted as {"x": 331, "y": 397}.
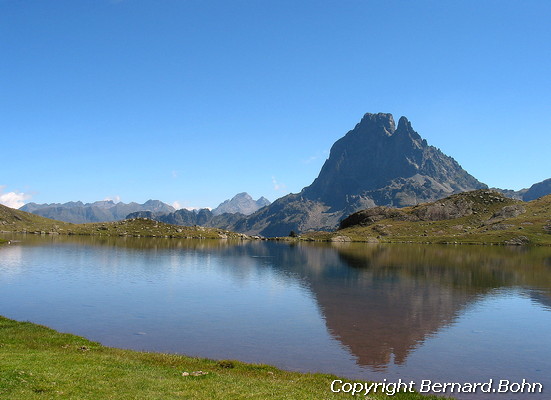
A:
{"x": 373, "y": 215}
{"x": 453, "y": 207}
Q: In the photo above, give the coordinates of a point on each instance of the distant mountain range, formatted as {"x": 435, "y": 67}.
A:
{"x": 99, "y": 211}
{"x": 227, "y": 213}
{"x": 107, "y": 210}
{"x": 375, "y": 164}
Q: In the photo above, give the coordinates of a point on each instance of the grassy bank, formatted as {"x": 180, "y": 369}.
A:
{"x": 40, "y": 363}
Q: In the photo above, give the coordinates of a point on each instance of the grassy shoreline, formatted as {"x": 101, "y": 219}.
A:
{"x": 39, "y": 362}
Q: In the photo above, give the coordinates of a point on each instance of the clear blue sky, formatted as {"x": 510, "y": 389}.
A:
{"x": 195, "y": 100}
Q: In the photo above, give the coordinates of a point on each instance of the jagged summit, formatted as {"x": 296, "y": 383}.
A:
{"x": 380, "y": 122}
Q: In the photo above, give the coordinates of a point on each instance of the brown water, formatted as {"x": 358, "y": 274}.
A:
{"x": 370, "y": 312}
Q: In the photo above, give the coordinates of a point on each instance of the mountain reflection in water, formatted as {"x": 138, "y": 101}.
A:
{"x": 392, "y": 297}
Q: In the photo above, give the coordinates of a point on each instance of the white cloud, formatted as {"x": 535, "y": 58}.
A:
{"x": 115, "y": 199}
{"x": 278, "y": 185}
{"x": 190, "y": 208}
{"x": 174, "y": 174}
{"x": 13, "y": 199}
{"x": 177, "y": 205}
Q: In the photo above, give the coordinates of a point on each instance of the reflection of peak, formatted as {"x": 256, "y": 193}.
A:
{"x": 382, "y": 315}
{"x": 382, "y": 302}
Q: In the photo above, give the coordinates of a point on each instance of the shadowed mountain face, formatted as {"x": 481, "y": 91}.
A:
{"x": 374, "y": 164}
{"x": 538, "y": 190}
{"x": 182, "y": 217}
{"x": 534, "y": 192}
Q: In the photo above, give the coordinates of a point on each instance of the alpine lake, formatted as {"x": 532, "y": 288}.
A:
{"x": 361, "y": 311}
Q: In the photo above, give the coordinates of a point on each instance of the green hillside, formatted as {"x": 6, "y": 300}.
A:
{"x": 477, "y": 217}
{"x": 12, "y": 220}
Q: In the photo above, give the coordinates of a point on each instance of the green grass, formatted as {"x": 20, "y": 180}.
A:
{"x": 39, "y": 363}
{"x": 530, "y": 228}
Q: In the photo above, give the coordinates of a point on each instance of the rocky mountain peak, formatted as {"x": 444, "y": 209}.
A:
{"x": 263, "y": 201}
{"x": 375, "y": 159}
{"x": 242, "y": 196}
{"x": 403, "y": 123}
{"x": 241, "y": 203}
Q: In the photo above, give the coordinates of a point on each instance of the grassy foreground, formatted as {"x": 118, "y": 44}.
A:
{"x": 40, "y": 363}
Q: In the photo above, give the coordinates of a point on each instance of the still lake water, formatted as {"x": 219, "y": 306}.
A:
{"x": 370, "y": 312}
